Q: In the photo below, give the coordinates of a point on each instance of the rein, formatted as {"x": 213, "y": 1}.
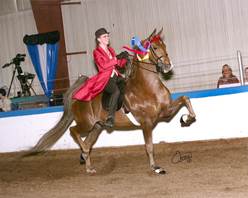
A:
{"x": 137, "y": 61}
{"x": 151, "y": 63}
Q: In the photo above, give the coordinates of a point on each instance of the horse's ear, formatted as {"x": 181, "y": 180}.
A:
{"x": 152, "y": 34}
{"x": 159, "y": 33}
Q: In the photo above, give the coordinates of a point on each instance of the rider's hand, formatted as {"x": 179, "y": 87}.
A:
{"x": 122, "y": 55}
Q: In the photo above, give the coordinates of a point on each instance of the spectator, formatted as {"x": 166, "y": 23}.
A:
{"x": 5, "y": 102}
{"x": 227, "y": 76}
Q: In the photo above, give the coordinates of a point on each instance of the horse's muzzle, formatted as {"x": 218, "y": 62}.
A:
{"x": 164, "y": 68}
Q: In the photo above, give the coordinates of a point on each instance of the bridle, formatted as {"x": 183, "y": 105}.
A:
{"x": 160, "y": 66}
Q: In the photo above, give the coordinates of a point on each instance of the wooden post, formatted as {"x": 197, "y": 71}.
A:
{"x": 48, "y": 17}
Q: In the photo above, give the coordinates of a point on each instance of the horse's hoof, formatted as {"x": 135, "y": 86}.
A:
{"x": 81, "y": 159}
{"x": 91, "y": 170}
{"x": 158, "y": 170}
{"x": 185, "y": 122}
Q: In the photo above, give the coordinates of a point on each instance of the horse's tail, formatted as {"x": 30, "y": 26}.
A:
{"x": 54, "y": 134}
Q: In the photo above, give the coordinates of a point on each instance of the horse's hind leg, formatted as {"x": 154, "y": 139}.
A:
{"x": 87, "y": 144}
{"x": 176, "y": 105}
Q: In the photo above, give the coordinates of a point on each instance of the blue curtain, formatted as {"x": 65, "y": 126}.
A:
{"x": 52, "y": 60}
{"x": 51, "y": 65}
{"x": 34, "y": 54}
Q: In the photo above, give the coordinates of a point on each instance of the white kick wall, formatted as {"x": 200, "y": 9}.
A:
{"x": 218, "y": 117}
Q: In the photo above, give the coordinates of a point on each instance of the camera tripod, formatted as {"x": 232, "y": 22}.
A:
{"x": 23, "y": 78}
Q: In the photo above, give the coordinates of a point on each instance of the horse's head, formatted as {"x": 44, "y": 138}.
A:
{"x": 153, "y": 53}
{"x": 157, "y": 52}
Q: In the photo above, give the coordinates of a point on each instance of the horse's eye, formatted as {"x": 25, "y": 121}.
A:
{"x": 155, "y": 48}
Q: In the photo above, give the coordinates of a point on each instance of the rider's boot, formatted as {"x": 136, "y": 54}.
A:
{"x": 112, "y": 108}
{"x": 111, "y": 116}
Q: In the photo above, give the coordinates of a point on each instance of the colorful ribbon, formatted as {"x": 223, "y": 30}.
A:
{"x": 134, "y": 50}
{"x": 142, "y": 50}
{"x": 135, "y": 41}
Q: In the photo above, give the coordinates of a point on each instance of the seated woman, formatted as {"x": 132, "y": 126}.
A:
{"x": 5, "y": 102}
{"x": 227, "y": 76}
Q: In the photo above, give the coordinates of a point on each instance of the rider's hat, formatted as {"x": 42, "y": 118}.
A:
{"x": 100, "y": 32}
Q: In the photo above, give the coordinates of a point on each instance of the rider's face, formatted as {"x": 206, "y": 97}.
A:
{"x": 104, "y": 39}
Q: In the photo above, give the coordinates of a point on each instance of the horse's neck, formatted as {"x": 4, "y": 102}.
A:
{"x": 144, "y": 79}
{"x": 145, "y": 87}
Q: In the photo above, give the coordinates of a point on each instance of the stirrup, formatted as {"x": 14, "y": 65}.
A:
{"x": 109, "y": 122}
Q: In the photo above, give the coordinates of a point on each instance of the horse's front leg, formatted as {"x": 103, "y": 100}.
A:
{"x": 176, "y": 105}
{"x": 147, "y": 132}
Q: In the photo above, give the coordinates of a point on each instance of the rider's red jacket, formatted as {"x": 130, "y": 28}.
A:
{"x": 95, "y": 85}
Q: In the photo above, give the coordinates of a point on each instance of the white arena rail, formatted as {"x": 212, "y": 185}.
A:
{"x": 220, "y": 115}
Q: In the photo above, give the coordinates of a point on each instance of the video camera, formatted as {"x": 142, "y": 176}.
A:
{"x": 17, "y": 60}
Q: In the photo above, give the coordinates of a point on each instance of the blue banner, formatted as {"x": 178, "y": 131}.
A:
{"x": 43, "y": 51}
{"x": 45, "y": 58}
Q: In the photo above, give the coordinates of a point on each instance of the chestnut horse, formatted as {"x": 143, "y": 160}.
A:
{"x": 146, "y": 98}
